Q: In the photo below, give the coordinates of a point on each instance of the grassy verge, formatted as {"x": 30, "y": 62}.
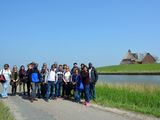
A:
{"x": 5, "y": 112}
{"x": 138, "y": 98}
{"x": 133, "y": 68}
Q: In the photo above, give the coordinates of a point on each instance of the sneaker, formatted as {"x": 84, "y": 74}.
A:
{"x": 35, "y": 99}
{"x": 4, "y": 97}
{"x": 94, "y": 100}
{"x": 46, "y": 100}
{"x": 31, "y": 100}
{"x": 87, "y": 104}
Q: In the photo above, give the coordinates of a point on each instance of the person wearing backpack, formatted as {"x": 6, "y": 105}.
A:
{"x": 35, "y": 78}
{"x": 60, "y": 76}
{"x": 50, "y": 81}
{"x": 7, "y": 75}
{"x": 78, "y": 85}
{"x": 93, "y": 77}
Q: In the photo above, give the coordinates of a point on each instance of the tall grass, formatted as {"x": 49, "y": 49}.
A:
{"x": 139, "y": 98}
{"x": 5, "y": 112}
{"x": 130, "y": 68}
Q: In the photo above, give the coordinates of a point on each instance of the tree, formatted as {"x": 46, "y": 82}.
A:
{"x": 156, "y": 58}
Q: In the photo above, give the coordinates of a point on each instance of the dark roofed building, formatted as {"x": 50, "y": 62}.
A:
{"x": 130, "y": 58}
{"x": 133, "y": 58}
{"x": 148, "y": 59}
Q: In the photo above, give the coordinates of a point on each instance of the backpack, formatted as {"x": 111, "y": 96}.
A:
{"x": 81, "y": 87}
{"x": 34, "y": 77}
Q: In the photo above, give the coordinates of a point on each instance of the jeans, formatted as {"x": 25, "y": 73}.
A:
{"x": 43, "y": 89}
{"x": 87, "y": 92}
{"x": 58, "y": 89}
{"x": 34, "y": 90}
{"x": 68, "y": 89}
{"x": 14, "y": 88}
{"x": 50, "y": 89}
{"x": 92, "y": 91}
{"x": 22, "y": 84}
{"x": 39, "y": 94}
{"x": 5, "y": 88}
{"x": 77, "y": 96}
{"x": 29, "y": 86}
{"x": 63, "y": 89}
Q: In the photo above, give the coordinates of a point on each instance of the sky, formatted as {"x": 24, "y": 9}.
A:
{"x": 82, "y": 31}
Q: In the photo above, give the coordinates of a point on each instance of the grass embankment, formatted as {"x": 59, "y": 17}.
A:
{"x": 133, "y": 68}
{"x": 5, "y": 112}
{"x": 138, "y": 98}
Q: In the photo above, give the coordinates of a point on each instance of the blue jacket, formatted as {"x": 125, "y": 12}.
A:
{"x": 77, "y": 79}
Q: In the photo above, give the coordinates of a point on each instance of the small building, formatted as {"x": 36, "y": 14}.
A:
{"x": 130, "y": 58}
{"x": 148, "y": 59}
{"x": 133, "y": 58}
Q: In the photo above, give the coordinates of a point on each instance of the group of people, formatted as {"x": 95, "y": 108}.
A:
{"x": 57, "y": 82}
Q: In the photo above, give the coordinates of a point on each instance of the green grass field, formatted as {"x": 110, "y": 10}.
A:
{"x": 5, "y": 112}
{"x": 133, "y": 68}
{"x": 138, "y": 98}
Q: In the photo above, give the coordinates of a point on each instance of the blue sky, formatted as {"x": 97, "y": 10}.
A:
{"x": 67, "y": 31}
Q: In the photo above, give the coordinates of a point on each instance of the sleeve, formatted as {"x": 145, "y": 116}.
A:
{"x": 70, "y": 78}
{"x": 0, "y": 72}
{"x": 10, "y": 73}
{"x": 56, "y": 79}
{"x": 96, "y": 75}
{"x": 18, "y": 78}
{"x": 46, "y": 77}
{"x": 39, "y": 75}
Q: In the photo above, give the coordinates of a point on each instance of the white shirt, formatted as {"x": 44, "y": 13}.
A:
{"x": 6, "y": 73}
{"x": 51, "y": 76}
{"x": 90, "y": 70}
{"x": 67, "y": 76}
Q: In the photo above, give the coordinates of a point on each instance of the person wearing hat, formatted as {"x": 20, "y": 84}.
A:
{"x": 93, "y": 77}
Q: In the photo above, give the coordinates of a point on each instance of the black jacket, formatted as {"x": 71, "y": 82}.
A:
{"x": 94, "y": 75}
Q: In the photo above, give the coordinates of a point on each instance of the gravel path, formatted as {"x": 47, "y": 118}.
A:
{"x": 57, "y": 110}
{"x": 61, "y": 109}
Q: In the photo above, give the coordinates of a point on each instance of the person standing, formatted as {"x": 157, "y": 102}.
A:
{"x": 81, "y": 69}
{"x": 75, "y": 66}
{"x": 60, "y": 76}
{"x": 86, "y": 83}
{"x": 93, "y": 77}
{"x": 14, "y": 80}
{"x": 35, "y": 78}
{"x": 68, "y": 79}
{"x": 78, "y": 85}
{"x": 50, "y": 81}
{"x": 63, "y": 83}
{"x": 28, "y": 75}
{"x": 7, "y": 74}
{"x": 44, "y": 72}
{"x": 23, "y": 80}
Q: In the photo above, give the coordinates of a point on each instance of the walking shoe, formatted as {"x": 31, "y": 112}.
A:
{"x": 35, "y": 99}
{"x": 87, "y": 104}
{"x": 94, "y": 100}
{"x": 31, "y": 100}
{"x": 46, "y": 100}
